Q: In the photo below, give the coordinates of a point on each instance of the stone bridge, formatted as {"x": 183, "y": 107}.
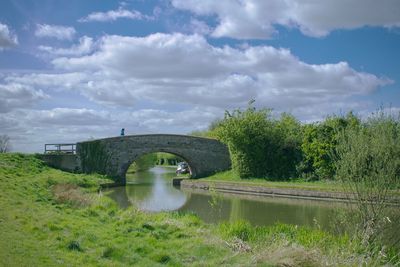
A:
{"x": 113, "y": 156}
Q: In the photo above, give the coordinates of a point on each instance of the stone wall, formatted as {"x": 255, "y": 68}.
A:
{"x": 65, "y": 162}
{"x": 113, "y": 156}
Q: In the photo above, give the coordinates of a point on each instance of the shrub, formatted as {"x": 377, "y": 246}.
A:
{"x": 319, "y": 143}
{"x": 248, "y": 134}
{"x": 289, "y": 154}
{"x": 74, "y": 245}
{"x": 368, "y": 164}
{"x": 261, "y": 146}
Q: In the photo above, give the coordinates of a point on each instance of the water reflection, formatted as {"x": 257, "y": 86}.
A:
{"x": 260, "y": 210}
{"x": 153, "y": 191}
{"x": 150, "y": 190}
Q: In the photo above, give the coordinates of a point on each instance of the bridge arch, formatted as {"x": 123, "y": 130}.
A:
{"x": 190, "y": 162}
{"x": 113, "y": 156}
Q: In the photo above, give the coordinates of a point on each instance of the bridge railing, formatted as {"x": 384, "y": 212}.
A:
{"x": 60, "y": 148}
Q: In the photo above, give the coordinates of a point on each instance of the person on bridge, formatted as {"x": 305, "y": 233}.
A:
{"x": 122, "y": 131}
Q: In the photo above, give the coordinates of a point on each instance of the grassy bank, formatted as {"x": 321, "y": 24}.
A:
{"x": 297, "y": 184}
{"x": 53, "y": 218}
{"x": 324, "y": 185}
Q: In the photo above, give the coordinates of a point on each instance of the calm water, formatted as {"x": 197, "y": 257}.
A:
{"x": 152, "y": 190}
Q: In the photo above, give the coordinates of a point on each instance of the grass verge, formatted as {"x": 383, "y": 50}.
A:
{"x": 53, "y": 218}
{"x": 231, "y": 176}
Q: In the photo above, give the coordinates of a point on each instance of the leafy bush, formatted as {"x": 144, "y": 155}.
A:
{"x": 261, "y": 146}
{"x": 368, "y": 163}
{"x": 319, "y": 143}
{"x": 250, "y": 137}
{"x": 94, "y": 157}
{"x": 289, "y": 154}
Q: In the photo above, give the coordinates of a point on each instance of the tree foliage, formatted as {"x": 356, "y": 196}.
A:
{"x": 94, "y": 157}
{"x": 364, "y": 155}
{"x": 167, "y": 159}
{"x": 280, "y": 148}
{"x": 260, "y": 146}
{"x": 150, "y": 160}
{"x": 319, "y": 144}
{"x": 289, "y": 154}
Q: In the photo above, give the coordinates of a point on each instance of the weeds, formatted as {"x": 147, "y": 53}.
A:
{"x": 216, "y": 198}
{"x": 70, "y": 194}
{"x": 240, "y": 230}
{"x": 74, "y": 245}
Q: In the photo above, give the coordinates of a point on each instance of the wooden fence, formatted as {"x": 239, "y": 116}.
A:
{"x": 60, "y": 148}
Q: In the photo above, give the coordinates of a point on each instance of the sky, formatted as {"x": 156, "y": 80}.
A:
{"x": 77, "y": 70}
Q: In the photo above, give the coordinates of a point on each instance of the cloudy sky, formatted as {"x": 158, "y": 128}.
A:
{"x": 74, "y": 70}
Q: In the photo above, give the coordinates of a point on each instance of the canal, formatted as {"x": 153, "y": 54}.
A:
{"x": 152, "y": 190}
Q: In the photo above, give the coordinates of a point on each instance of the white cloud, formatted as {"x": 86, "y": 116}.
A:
{"x": 172, "y": 83}
{"x": 56, "y": 82}
{"x": 152, "y": 120}
{"x": 113, "y": 15}
{"x": 14, "y": 95}
{"x": 70, "y": 117}
{"x": 85, "y": 46}
{"x": 31, "y": 129}
{"x": 166, "y": 55}
{"x": 55, "y": 31}
{"x": 7, "y": 38}
{"x": 187, "y": 69}
{"x": 256, "y": 19}
{"x": 198, "y": 26}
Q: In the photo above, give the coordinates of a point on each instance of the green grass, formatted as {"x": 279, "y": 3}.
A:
{"x": 301, "y": 184}
{"x": 41, "y": 229}
{"x": 231, "y": 176}
{"x": 52, "y": 218}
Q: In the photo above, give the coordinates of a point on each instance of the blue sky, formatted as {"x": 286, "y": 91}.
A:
{"x": 74, "y": 70}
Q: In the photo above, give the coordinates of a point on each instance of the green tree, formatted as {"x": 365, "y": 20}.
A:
{"x": 289, "y": 154}
{"x": 248, "y": 134}
{"x": 167, "y": 159}
{"x": 319, "y": 143}
{"x": 261, "y": 146}
{"x": 143, "y": 163}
